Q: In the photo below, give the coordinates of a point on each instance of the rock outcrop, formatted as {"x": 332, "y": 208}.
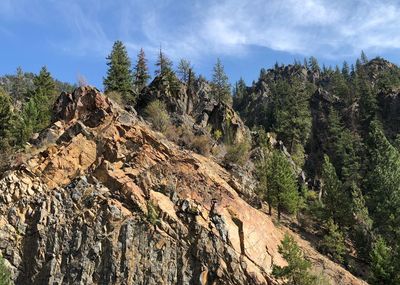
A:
{"x": 105, "y": 200}
{"x": 195, "y": 108}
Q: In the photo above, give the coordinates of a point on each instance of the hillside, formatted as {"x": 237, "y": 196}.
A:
{"x": 100, "y": 198}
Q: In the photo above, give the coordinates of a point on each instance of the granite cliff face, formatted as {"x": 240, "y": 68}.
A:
{"x": 102, "y": 199}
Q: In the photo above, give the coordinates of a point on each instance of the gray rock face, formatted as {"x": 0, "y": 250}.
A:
{"x": 70, "y": 238}
{"x": 195, "y": 106}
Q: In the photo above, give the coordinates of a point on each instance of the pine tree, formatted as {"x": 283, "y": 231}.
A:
{"x": 119, "y": 74}
{"x": 342, "y": 147}
{"x": 364, "y": 59}
{"x": 281, "y": 184}
{"x": 361, "y": 230}
{"x": 220, "y": 84}
{"x": 25, "y": 124}
{"x": 333, "y": 195}
{"x": 313, "y": 64}
{"x": 185, "y": 68}
{"x": 239, "y": 92}
{"x": 5, "y": 120}
{"x": 292, "y": 117}
{"x": 19, "y": 87}
{"x": 142, "y": 75}
{"x": 383, "y": 183}
{"x": 367, "y": 103}
{"x": 297, "y": 272}
{"x": 333, "y": 241}
{"x": 43, "y": 98}
{"x": 339, "y": 86}
{"x": 346, "y": 71}
{"x": 164, "y": 65}
{"x": 383, "y": 266}
{"x": 44, "y": 84}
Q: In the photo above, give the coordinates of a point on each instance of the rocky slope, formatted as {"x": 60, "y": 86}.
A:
{"x": 102, "y": 199}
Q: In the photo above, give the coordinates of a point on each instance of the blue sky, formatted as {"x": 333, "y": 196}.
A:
{"x": 73, "y": 37}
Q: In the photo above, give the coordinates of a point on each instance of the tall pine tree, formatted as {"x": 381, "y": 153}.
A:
{"x": 291, "y": 113}
{"x": 220, "y": 84}
{"x": 119, "y": 74}
{"x": 185, "y": 69}
{"x": 281, "y": 184}
{"x": 5, "y": 120}
{"x": 142, "y": 75}
{"x": 164, "y": 65}
{"x": 333, "y": 195}
{"x": 383, "y": 184}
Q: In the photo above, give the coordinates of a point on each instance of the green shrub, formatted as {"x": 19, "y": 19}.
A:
{"x": 184, "y": 136}
{"x": 156, "y": 113}
{"x": 5, "y": 275}
{"x": 152, "y": 213}
{"x": 201, "y": 144}
{"x": 116, "y": 97}
{"x": 238, "y": 153}
{"x": 217, "y": 135}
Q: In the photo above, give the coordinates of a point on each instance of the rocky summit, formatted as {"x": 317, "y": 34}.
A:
{"x": 100, "y": 198}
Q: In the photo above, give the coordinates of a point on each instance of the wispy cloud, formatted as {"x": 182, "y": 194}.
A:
{"x": 196, "y": 28}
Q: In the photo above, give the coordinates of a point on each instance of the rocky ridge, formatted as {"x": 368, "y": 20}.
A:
{"x": 102, "y": 199}
{"x": 194, "y": 107}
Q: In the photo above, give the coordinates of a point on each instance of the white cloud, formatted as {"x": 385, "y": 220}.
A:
{"x": 192, "y": 29}
{"x": 317, "y": 27}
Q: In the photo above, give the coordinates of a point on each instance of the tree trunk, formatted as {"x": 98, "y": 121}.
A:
{"x": 269, "y": 209}
{"x": 279, "y": 213}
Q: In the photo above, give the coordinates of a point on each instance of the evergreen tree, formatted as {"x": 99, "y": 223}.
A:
{"x": 25, "y": 123}
{"x": 333, "y": 195}
{"x": 367, "y": 103}
{"x": 166, "y": 73}
{"x": 220, "y": 84}
{"x": 281, "y": 184}
{"x": 313, "y": 64}
{"x": 333, "y": 241}
{"x": 342, "y": 148}
{"x": 361, "y": 231}
{"x": 184, "y": 70}
{"x": 142, "y": 75}
{"x": 5, "y": 120}
{"x": 291, "y": 113}
{"x": 346, "y": 71}
{"x": 44, "y": 85}
{"x": 364, "y": 59}
{"x": 36, "y": 113}
{"x": 383, "y": 184}
{"x": 19, "y": 87}
{"x": 119, "y": 74}
{"x": 383, "y": 266}
{"x": 359, "y": 66}
{"x": 239, "y": 92}
{"x": 297, "y": 272}
{"x": 42, "y": 99}
{"x": 164, "y": 65}
{"x": 339, "y": 86}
